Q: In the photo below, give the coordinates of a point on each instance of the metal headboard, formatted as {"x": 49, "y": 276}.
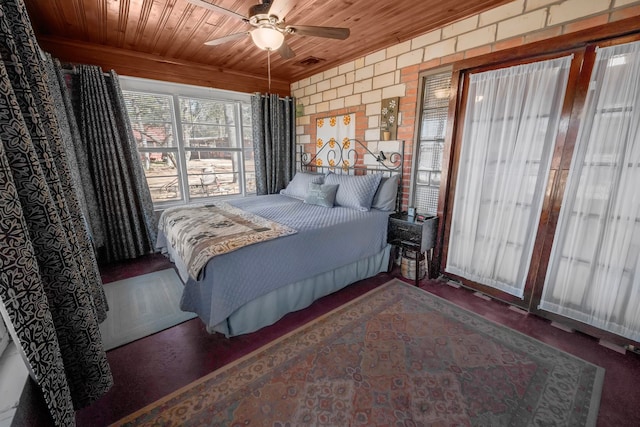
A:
{"x": 351, "y": 156}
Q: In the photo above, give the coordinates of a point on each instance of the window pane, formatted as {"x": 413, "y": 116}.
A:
{"x": 423, "y": 177}
{"x": 208, "y": 136}
{"x": 249, "y": 172}
{"x": 435, "y": 179}
{"x": 162, "y": 175}
{"x": 427, "y": 198}
{"x": 247, "y": 134}
{"x": 210, "y": 111}
{"x": 208, "y": 123}
{"x": 433, "y": 118}
{"x": 151, "y": 119}
{"x": 436, "y": 91}
{"x": 213, "y": 173}
{"x": 430, "y": 156}
{"x": 434, "y": 123}
{"x": 246, "y": 114}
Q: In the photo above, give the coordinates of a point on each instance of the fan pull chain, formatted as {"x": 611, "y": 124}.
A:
{"x": 269, "y": 67}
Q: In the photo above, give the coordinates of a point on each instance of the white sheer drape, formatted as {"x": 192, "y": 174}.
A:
{"x": 594, "y": 270}
{"x": 509, "y": 133}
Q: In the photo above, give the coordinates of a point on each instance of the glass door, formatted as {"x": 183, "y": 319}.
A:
{"x": 509, "y": 131}
{"x": 593, "y": 275}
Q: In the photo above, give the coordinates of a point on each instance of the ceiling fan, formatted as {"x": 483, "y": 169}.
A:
{"x": 269, "y": 29}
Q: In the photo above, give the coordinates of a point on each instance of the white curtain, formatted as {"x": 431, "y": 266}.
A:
{"x": 594, "y": 270}
{"x": 510, "y": 127}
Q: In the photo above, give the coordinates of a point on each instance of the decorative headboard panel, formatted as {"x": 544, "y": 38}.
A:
{"x": 351, "y": 156}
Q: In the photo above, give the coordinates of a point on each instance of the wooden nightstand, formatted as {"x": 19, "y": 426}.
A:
{"x": 419, "y": 236}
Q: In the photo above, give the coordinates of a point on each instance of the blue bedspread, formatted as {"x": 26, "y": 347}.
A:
{"x": 326, "y": 239}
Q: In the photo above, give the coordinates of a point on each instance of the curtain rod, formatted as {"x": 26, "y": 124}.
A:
{"x": 74, "y": 71}
{"x": 66, "y": 70}
{"x": 267, "y": 95}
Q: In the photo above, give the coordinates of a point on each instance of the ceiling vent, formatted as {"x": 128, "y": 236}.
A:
{"x": 309, "y": 60}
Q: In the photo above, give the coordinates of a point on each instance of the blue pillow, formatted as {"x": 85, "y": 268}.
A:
{"x": 321, "y": 195}
{"x": 354, "y": 191}
{"x": 385, "y": 197}
{"x": 299, "y": 186}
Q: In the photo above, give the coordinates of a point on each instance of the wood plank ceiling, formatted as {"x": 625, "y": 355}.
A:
{"x": 175, "y": 32}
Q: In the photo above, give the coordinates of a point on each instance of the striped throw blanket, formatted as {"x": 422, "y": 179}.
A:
{"x": 200, "y": 232}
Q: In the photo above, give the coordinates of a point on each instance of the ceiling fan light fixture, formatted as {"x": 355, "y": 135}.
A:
{"x": 267, "y": 38}
{"x": 269, "y": 28}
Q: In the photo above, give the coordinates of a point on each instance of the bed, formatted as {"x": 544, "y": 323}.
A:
{"x": 323, "y": 246}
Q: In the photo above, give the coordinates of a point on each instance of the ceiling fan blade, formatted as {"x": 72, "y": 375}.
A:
{"x": 226, "y": 39}
{"x": 218, "y": 9}
{"x": 329, "y": 32}
{"x": 285, "y": 51}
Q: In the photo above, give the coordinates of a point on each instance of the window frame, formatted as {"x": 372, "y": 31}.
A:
{"x": 176, "y": 92}
{"x": 415, "y": 158}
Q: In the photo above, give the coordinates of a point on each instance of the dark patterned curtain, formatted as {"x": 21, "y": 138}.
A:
{"x": 274, "y": 141}
{"x": 123, "y": 199}
{"x": 50, "y": 286}
{"x": 74, "y": 147}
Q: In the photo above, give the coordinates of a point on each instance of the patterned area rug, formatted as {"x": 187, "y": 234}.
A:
{"x": 395, "y": 356}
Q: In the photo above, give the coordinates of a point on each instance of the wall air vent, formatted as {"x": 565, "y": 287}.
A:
{"x": 309, "y": 60}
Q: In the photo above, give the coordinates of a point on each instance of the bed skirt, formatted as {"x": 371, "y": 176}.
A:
{"x": 269, "y": 308}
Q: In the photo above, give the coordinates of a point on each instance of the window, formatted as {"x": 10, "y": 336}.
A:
{"x": 433, "y": 125}
{"x": 194, "y": 142}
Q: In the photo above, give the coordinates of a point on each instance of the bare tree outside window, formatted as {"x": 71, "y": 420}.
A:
{"x": 192, "y": 148}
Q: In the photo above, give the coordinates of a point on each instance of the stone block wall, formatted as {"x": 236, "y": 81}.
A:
{"x": 360, "y": 85}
